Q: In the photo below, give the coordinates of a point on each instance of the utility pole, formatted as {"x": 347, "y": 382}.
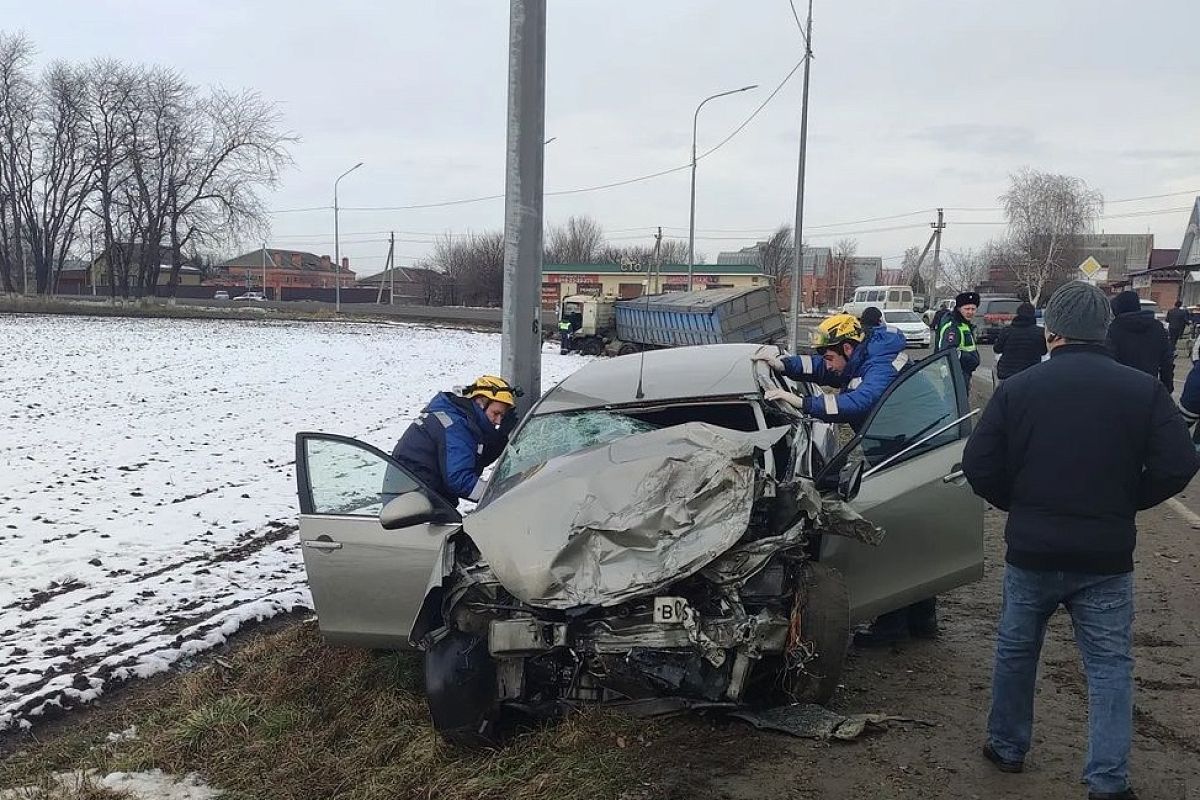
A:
{"x": 658, "y": 261}
{"x": 521, "y": 330}
{"x": 264, "y": 269}
{"x": 389, "y": 274}
{"x": 797, "y": 248}
{"x": 937, "y": 253}
{"x": 392, "y": 273}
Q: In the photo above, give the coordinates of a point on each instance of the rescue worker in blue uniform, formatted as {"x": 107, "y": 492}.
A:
{"x": 457, "y": 436}
{"x": 861, "y": 366}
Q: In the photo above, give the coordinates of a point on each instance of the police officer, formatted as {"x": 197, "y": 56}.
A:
{"x": 564, "y": 335}
{"x": 861, "y": 366}
{"x": 457, "y": 436}
{"x": 956, "y": 333}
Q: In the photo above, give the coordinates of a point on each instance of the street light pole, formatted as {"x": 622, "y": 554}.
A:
{"x": 692, "y": 206}
{"x": 337, "y": 253}
{"x": 797, "y": 244}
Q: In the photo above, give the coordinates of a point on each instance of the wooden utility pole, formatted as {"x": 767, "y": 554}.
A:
{"x": 392, "y": 272}
{"x": 937, "y": 252}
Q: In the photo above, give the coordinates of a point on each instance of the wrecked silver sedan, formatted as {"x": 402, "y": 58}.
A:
{"x": 686, "y": 545}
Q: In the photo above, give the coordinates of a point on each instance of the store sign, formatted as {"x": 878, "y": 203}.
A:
{"x": 566, "y": 277}
{"x": 550, "y": 294}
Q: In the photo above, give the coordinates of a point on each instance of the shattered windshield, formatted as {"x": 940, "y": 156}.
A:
{"x": 552, "y": 435}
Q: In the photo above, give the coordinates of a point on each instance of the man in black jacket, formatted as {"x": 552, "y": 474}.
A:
{"x": 1021, "y": 345}
{"x": 1177, "y": 322}
{"x": 1073, "y": 448}
{"x": 1138, "y": 340}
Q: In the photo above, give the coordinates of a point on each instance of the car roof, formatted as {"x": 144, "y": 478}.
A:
{"x": 678, "y": 373}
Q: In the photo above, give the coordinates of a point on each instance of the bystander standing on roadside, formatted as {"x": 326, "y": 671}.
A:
{"x": 1138, "y": 340}
{"x": 1072, "y": 449}
{"x": 1021, "y": 345}
{"x": 1177, "y": 322}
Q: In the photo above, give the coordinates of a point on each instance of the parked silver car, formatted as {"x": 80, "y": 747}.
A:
{"x": 686, "y": 543}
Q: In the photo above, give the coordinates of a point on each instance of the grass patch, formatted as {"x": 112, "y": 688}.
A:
{"x": 287, "y": 717}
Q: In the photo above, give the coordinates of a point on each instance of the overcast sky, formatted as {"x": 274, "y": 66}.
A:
{"x": 914, "y": 104}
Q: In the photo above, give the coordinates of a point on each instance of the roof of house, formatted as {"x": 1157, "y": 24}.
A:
{"x": 405, "y": 275}
{"x": 1163, "y": 257}
{"x": 281, "y": 259}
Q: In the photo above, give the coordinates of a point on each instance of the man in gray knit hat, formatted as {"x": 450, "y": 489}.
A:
{"x": 1072, "y": 448}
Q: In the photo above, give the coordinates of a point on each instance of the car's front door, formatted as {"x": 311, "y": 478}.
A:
{"x": 367, "y": 583}
{"x": 915, "y": 490}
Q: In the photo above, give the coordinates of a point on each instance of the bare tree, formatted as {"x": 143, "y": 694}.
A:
{"x": 62, "y": 173}
{"x": 962, "y": 270}
{"x": 775, "y": 254}
{"x": 1046, "y": 214}
{"x": 911, "y": 271}
{"x": 113, "y": 84}
{"x": 843, "y": 262}
{"x": 17, "y": 111}
{"x": 579, "y": 241}
{"x": 474, "y": 266}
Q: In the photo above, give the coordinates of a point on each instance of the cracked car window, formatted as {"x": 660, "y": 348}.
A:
{"x": 553, "y": 435}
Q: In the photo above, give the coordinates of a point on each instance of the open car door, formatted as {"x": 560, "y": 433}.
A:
{"x": 914, "y": 488}
{"x": 367, "y": 583}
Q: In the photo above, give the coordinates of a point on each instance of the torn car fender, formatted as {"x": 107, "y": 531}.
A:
{"x": 429, "y": 615}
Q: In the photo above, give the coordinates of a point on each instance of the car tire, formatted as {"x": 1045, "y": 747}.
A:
{"x": 824, "y": 624}
{"x": 627, "y": 349}
{"x": 592, "y": 347}
{"x": 460, "y": 688}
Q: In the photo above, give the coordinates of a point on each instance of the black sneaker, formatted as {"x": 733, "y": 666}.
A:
{"x": 1127, "y": 794}
{"x": 1002, "y": 765}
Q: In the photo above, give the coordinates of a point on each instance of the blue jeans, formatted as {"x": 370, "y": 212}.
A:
{"x": 1101, "y": 609}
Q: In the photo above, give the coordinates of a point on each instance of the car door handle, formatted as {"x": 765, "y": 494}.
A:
{"x": 323, "y": 544}
{"x": 954, "y": 477}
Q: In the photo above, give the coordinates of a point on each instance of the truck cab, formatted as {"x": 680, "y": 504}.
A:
{"x": 591, "y": 320}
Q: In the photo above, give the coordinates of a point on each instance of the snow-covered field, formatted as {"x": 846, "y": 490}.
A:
{"x": 147, "y": 494}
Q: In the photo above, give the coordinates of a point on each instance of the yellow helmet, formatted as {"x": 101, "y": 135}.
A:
{"x": 837, "y": 329}
{"x": 493, "y": 388}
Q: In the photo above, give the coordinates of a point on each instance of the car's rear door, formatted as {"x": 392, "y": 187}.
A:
{"x": 367, "y": 583}
{"x": 915, "y": 490}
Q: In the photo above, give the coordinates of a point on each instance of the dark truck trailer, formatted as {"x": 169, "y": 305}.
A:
{"x": 675, "y": 319}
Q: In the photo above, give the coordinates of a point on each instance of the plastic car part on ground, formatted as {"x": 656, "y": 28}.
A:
{"x": 810, "y": 721}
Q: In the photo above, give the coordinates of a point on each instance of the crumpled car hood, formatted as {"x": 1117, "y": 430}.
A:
{"x": 613, "y": 522}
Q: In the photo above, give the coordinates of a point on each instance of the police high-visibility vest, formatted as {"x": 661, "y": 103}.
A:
{"x": 966, "y": 336}
{"x": 564, "y": 326}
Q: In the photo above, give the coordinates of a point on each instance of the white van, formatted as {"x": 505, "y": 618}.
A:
{"x": 885, "y": 298}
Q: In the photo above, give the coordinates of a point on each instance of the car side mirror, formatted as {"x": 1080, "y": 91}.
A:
{"x": 406, "y": 510}
{"x": 850, "y": 480}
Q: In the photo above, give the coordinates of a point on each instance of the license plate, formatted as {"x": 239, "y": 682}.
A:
{"x": 671, "y": 610}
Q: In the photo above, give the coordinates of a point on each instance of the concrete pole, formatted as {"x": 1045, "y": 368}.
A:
{"x": 337, "y": 253}
{"x": 521, "y": 330}
{"x": 798, "y": 229}
{"x": 264, "y": 270}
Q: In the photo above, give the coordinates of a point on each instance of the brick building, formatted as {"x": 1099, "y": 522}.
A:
{"x": 285, "y": 269}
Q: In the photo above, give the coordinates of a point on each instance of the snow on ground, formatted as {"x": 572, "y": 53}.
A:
{"x": 152, "y": 785}
{"x": 147, "y": 494}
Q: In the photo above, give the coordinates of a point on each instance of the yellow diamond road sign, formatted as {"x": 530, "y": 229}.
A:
{"x": 1090, "y": 267}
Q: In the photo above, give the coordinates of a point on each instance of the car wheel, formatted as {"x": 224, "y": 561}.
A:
{"x": 460, "y": 688}
{"x": 592, "y": 347}
{"x": 627, "y": 349}
{"x": 825, "y": 627}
